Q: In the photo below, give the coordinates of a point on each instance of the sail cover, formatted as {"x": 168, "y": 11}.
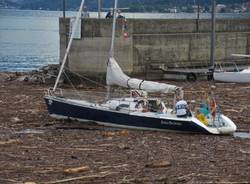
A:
{"x": 115, "y": 76}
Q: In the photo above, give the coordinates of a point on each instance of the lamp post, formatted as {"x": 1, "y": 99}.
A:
{"x": 99, "y": 8}
{"x": 198, "y": 10}
{"x": 198, "y": 16}
{"x": 64, "y": 7}
{"x": 212, "y": 56}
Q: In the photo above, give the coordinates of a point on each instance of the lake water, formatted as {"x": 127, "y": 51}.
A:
{"x": 30, "y": 39}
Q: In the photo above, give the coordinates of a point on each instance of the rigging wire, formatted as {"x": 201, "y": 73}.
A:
{"x": 119, "y": 91}
{"x": 77, "y": 92}
{"x": 84, "y": 95}
{"x": 86, "y": 78}
{"x": 69, "y": 44}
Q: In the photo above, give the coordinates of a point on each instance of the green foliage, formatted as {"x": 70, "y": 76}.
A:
{"x": 134, "y": 5}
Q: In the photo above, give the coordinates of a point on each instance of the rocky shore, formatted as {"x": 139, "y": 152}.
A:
{"x": 44, "y": 75}
{"x": 36, "y": 148}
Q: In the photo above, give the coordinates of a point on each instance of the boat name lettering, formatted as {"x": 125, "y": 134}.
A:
{"x": 170, "y": 123}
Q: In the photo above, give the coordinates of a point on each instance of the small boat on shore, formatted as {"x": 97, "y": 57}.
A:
{"x": 233, "y": 74}
{"x": 136, "y": 111}
{"x": 237, "y": 77}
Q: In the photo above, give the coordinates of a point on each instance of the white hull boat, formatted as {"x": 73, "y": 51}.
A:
{"x": 238, "y": 77}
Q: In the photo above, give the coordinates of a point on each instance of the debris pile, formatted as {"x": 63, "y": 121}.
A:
{"x": 45, "y": 75}
{"x": 38, "y": 149}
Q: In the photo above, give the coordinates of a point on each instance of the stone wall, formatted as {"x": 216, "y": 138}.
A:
{"x": 172, "y": 43}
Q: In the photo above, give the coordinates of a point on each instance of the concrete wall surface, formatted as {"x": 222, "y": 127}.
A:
{"x": 172, "y": 43}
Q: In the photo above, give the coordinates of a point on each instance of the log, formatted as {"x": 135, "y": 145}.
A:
{"x": 12, "y": 141}
{"x": 80, "y": 149}
{"x": 245, "y": 152}
{"x": 76, "y": 169}
{"x": 231, "y": 110}
{"x": 100, "y": 175}
{"x": 8, "y": 180}
{"x": 115, "y": 166}
{"x": 186, "y": 176}
{"x": 158, "y": 164}
{"x": 116, "y": 133}
{"x": 166, "y": 138}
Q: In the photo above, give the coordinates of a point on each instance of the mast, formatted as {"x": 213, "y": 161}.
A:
{"x": 212, "y": 56}
{"x": 111, "y": 51}
{"x": 64, "y": 20}
{"x": 69, "y": 44}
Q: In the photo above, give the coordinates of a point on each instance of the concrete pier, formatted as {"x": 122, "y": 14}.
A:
{"x": 153, "y": 43}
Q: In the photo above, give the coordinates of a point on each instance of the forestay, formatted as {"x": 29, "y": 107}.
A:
{"x": 115, "y": 76}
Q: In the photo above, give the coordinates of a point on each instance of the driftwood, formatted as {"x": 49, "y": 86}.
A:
{"x": 36, "y": 151}
{"x": 29, "y": 147}
{"x": 233, "y": 110}
{"x": 16, "y": 120}
{"x": 8, "y": 180}
{"x": 134, "y": 180}
{"x": 80, "y": 149}
{"x": 100, "y": 175}
{"x": 184, "y": 177}
{"x": 114, "y": 166}
{"x": 12, "y": 141}
{"x": 158, "y": 164}
{"x": 229, "y": 182}
{"x": 230, "y": 109}
{"x": 78, "y": 128}
{"x": 116, "y": 133}
{"x": 245, "y": 152}
{"x": 125, "y": 180}
{"x": 76, "y": 169}
{"x": 166, "y": 138}
{"x": 45, "y": 171}
{"x": 73, "y": 148}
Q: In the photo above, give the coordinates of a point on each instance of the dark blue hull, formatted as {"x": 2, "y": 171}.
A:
{"x": 58, "y": 106}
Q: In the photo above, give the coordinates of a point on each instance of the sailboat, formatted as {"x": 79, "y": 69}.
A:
{"x": 135, "y": 111}
{"x": 238, "y": 76}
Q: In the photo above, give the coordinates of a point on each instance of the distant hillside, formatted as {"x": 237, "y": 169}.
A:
{"x": 134, "y": 5}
